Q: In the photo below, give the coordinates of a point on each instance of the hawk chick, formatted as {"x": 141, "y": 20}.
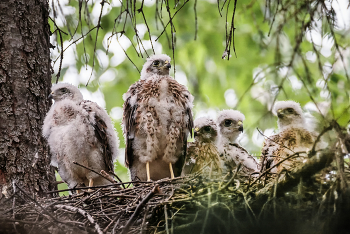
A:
{"x": 157, "y": 120}
{"x": 293, "y": 137}
{"x": 79, "y": 130}
{"x": 202, "y": 153}
{"x": 230, "y": 123}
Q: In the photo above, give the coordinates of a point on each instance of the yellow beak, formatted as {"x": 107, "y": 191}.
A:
{"x": 167, "y": 64}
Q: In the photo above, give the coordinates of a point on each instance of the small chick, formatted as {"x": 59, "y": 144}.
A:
{"x": 202, "y": 154}
{"x": 230, "y": 123}
{"x": 293, "y": 137}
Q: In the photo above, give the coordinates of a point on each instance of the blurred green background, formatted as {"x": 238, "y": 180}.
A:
{"x": 299, "y": 58}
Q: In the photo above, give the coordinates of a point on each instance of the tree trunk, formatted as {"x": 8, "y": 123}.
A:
{"x": 25, "y": 81}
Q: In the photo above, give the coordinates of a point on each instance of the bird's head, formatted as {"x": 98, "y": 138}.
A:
{"x": 65, "y": 91}
{"x": 230, "y": 123}
{"x": 205, "y": 130}
{"x": 289, "y": 114}
{"x": 156, "y": 64}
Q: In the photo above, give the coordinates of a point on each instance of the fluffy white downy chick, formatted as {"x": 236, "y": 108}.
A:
{"x": 202, "y": 154}
{"x": 293, "y": 137}
{"x": 156, "y": 122}
{"x": 79, "y": 130}
{"x": 230, "y": 123}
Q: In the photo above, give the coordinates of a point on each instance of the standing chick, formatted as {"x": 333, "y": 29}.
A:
{"x": 202, "y": 153}
{"x": 230, "y": 123}
{"x": 157, "y": 120}
{"x": 79, "y": 130}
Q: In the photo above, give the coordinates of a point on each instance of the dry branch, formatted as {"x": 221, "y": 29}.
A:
{"x": 291, "y": 179}
{"x": 83, "y": 213}
{"x": 139, "y": 208}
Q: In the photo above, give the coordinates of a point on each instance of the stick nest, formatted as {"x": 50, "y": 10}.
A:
{"x": 311, "y": 199}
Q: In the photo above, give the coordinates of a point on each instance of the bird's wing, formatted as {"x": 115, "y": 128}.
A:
{"x": 129, "y": 122}
{"x": 268, "y": 151}
{"x": 190, "y": 121}
{"x": 104, "y": 132}
{"x": 182, "y": 159}
{"x": 189, "y": 126}
{"x": 242, "y": 156}
{"x": 190, "y": 158}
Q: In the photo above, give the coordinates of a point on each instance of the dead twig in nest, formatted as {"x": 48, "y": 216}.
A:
{"x": 312, "y": 166}
{"x": 139, "y": 208}
{"x": 83, "y": 213}
{"x": 106, "y": 176}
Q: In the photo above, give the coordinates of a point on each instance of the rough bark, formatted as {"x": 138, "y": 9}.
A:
{"x": 25, "y": 81}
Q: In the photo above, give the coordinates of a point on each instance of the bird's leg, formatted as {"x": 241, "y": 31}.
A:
{"x": 91, "y": 183}
{"x": 171, "y": 171}
{"x": 147, "y": 171}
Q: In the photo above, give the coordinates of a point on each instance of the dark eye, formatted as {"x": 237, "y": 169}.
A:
{"x": 64, "y": 90}
{"x": 228, "y": 123}
{"x": 207, "y": 128}
{"x": 156, "y": 63}
{"x": 290, "y": 110}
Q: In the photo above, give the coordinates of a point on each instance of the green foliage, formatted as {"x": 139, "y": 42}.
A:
{"x": 283, "y": 64}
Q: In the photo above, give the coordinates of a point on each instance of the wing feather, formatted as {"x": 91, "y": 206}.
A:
{"x": 98, "y": 118}
{"x": 248, "y": 160}
{"x": 268, "y": 152}
{"x": 129, "y": 120}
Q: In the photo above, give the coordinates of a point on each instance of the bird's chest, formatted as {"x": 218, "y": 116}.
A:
{"x": 159, "y": 105}
{"x": 206, "y": 150}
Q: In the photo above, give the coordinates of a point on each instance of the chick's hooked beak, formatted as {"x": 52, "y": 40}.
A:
{"x": 167, "y": 64}
{"x": 50, "y": 95}
{"x": 240, "y": 124}
{"x": 280, "y": 113}
{"x": 196, "y": 130}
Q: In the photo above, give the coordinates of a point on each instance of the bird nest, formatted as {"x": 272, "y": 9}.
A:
{"x": 309, "y": 199}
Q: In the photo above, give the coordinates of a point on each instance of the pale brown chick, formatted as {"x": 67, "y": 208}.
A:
{"x": 202, "y": 154}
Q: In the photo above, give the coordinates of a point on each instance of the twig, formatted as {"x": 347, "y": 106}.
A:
{"x": 166, "y": 219}
{"x": 330, "y": 127}
{"x": 107, "y": 178}
{"x": 83, "y": 213}
{"x": 139, "y": 208}
{"x": 277, "y": 164}
{"x": 106, "y": 228}
{"x": 80, "y": 188}
{"x": 98, "y": 29}
{"x": 122, "y": 184}
{"x": 30, "y": 198}
{"x": 273, "y": 140}
{"x": 144, "y": 219}
{"x": 207, "y": 212}
{"x": 115, "y": 225}
{"x": 311, "y": 167}
{"x": 61, "y": 57}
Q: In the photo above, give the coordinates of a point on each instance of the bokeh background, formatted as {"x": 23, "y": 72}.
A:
{"x": 284, "y": 50}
